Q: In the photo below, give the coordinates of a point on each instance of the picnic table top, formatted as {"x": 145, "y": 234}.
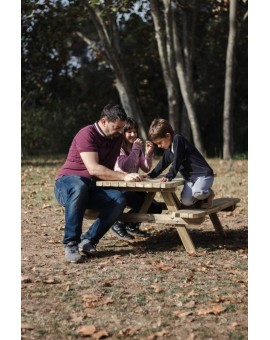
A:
{"x": 147, "y": 183}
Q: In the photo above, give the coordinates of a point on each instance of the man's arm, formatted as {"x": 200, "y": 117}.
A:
{"x": 91, "y": 162}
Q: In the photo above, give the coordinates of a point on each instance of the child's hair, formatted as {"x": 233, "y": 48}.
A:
{"x": 130, "y": 124}
{"x": 158, "y": 129}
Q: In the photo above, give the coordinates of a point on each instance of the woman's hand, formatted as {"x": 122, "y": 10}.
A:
{"x": 138, "y": 141}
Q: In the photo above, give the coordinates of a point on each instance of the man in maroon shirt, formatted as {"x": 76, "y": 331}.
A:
{"x": 92, "y": 155}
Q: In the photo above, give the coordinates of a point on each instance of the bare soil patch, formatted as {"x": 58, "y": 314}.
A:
{"x": 148, "y": 289}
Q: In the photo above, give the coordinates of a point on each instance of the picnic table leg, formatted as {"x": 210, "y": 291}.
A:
{"x": 176, "y": 200}
{"x": 217, "y": 225}
{"x": 171, "y": 201}
{"x": 186, "y": 239}
{"x": 147, "y": 202}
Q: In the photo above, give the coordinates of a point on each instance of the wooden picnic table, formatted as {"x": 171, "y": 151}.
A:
{"x": 173, "y": 214}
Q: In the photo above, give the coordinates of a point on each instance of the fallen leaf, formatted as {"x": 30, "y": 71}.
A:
{"x": 157, "y": 289}
{"x": 26, "y": 326}
{"x": 197, "y": 254}
{"x": 26, "y": 279}
{"x": 76, "y": 318}
{"x": 87, "y": 330}
{"x": 91, "y": 298}
{"x": 192, "y": 293}
{"x": 128, "y": 331}
{"x": 234, "y": 324}
{"x": 214, "y": 309}
{"x": 157, "y": 335}
{"x": 107, "y": 301}
{"x": 182, "y": 314}
{"x": 50, "y": 281}
{"x": 162, "y": 266}
{"x": 99, "y": 335}
{"x": 190, "y": 304}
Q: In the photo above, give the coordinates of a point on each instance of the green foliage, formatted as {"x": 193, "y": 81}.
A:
{"x": 66, "y": 83}
{"x": 51, "y": 131}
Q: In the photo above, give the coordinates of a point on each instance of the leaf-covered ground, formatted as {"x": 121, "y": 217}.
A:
{"x": 148, "y": 289}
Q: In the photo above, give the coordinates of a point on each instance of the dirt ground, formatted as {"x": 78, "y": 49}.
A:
{"x": 148, "y": 289}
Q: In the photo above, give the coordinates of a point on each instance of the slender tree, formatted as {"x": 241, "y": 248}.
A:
{"x": 229, "y": 84}
{"x": 173, "y": 50}
{"x": 104, "y": 19}
{"x": 163, "y": 34}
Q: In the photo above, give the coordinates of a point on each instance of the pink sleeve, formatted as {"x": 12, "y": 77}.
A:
{"x": 129, "y": 163}
{"x": 145, "y": 163}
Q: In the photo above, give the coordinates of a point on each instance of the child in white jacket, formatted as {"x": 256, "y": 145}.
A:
{"x": 132, "y": 159}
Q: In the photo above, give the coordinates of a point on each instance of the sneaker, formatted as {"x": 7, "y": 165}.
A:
{"x": 72, "y": 253}
{"x": 86, "y": 246}
{"x": 119, "y": 229}
{"x": 134, "y": 229}
{"x": 208, "y": 202}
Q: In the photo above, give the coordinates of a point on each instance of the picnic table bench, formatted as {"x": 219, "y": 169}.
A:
{"x": 172, "y": 214}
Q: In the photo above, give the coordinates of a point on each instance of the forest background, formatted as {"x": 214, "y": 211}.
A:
{"x": 10, "y": 105}
{"x": 185, "y": 61}
{"x": 259, "y": 56}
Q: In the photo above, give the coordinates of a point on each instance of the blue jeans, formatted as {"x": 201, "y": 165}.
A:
{"x": 76, "y": 194}
{"x": 198, "y": 190}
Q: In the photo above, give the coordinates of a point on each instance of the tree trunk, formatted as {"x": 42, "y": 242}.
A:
{"x": 229, "y": 84}
{"x": 185, "y": 90}
{"x": 123, "y": 82}
{"x": 189, "y": 24}
{"x": 167, "y": 59}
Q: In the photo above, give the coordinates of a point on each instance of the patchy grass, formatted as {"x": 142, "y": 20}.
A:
{"x": 148, "y": 289}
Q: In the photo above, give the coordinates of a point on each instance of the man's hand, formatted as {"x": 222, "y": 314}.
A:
{"x": 164, "y": 179}
{"x": 133, "y": 177}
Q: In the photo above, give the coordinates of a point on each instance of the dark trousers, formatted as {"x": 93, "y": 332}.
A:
{"x": 135, "y": 200}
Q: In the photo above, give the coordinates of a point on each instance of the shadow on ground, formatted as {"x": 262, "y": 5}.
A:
{"x": 168, "y": 240}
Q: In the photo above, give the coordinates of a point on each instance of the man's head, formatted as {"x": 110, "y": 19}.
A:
{"x": 161, "y": 133}
{"x": 112, "y": 120}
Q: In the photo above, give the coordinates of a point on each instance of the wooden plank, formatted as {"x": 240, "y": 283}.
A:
{"x": 218, "y": 205}
{"x": 176, "y": 200}
{"x": 143, "y": 184}
{"x": 193, "y": 221}
{"x": 169, "y": 200}
{"x": 186, "y": 239}
{"x": 147, "y": 202}
{"x": 180, "y": 218}
{"x": 217, "y": 225}
{"x": 169, "y": 218}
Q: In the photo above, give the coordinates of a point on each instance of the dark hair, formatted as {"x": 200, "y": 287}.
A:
{"x": 113, "y": 112}
{"x": 158, "y": 129}
{"x": 130, "y": 124}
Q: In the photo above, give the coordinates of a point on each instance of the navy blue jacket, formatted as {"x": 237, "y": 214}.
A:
{"x": 184, "y": 158}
